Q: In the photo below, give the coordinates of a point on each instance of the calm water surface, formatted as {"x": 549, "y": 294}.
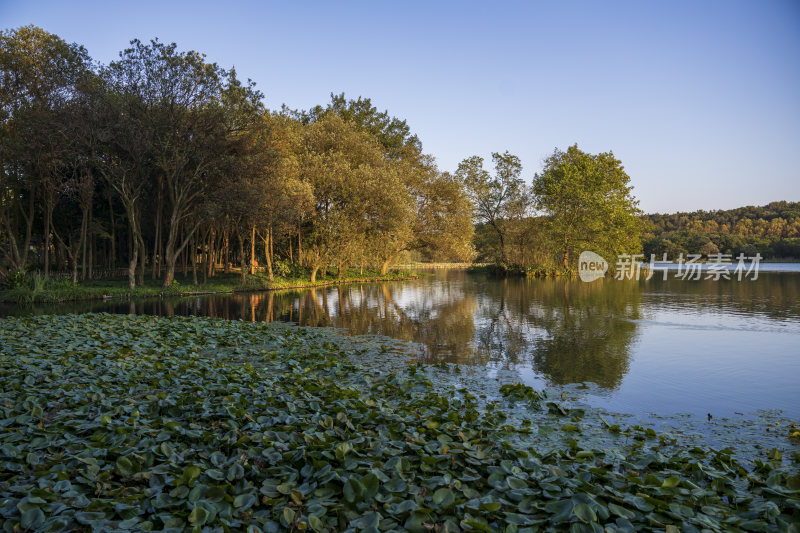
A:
{"x": 655, "y": 346}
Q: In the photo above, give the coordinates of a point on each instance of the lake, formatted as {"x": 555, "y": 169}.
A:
{"x": 665, "y": 347}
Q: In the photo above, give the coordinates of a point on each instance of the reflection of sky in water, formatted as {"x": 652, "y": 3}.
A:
{"x": 659, "y": 346}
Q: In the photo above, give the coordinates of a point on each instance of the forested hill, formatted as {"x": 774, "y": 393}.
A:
{"x": 772, "y": 230}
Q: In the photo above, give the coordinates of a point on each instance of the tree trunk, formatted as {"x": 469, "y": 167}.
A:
{"x": 271, "y": 246}
{"x": 314, "y": 269}
{"x": 82, "y": 245}
{"x": 113, "y": 258}
{"x": 242, "y": 258}
{"x": 204, "y": 256}
{"x": 175, "y": 246}
{"x": 48, "y": 223}
{"x": 169, "y": 274}
{"x": 142, "y": 260}
{"x": 75, "y": 268}
{"x": 226, "y": 254}
{"x": 253, "y": 250}
{"x": 386, "y": 264}
{"x": 193, "y": 259}
{"x": 132, "y": 260}
{"x": 268, "y": 252}
{"x": 300, "y": 247}
{"x": 210, "y": 259}
{"x": 184, "y": 258}
{"x": 90, "y": 235}
{"x": 156, "y": 269}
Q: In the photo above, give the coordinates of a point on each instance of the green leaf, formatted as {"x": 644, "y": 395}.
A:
{"x": 215, "y": 474}
{"x": 124, "y": 466}
{"x": 516, "y": 483}
{"x": 32, "y": 518}
{"x": 288, "y": 515}
{"x": 443, "y": 497}
{"x": 370, "y": 483}
{"x": 671, "y": 482}
{"x": 190, "y": 474}
{"x": 353, "y": 490}
{"x": 584, "y": 513}
{"x": 316, "y": 523}
{"x": 244, "y": 501}
{"x": 198, "y": 516}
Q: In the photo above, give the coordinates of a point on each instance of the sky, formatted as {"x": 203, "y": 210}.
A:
{"x": 699, "y": 100}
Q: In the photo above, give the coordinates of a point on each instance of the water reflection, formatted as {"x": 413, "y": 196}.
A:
{"x": 686, "y": 344}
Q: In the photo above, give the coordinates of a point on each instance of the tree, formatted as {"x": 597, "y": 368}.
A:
{"x": 589, "y": 204}
{"x": 496, "y": 200}
{"x": 438, "y": 221}
{"x": 39, "y": 73}
{"x": 391, "y": 132}
{"x": 125, "y": 148}
{"x": 346, "y": 171}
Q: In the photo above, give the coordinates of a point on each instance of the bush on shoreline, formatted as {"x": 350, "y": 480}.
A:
{"x": 502, "y": 270}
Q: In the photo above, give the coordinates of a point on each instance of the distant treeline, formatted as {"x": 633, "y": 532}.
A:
{"x": 772, "y": 230}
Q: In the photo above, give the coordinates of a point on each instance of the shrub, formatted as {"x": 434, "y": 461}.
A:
{"x": 17, "y": 279}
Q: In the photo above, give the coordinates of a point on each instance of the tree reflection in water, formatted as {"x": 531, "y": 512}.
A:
{"x": 565, "y": 331}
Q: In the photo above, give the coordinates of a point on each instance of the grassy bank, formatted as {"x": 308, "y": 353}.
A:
{"x": 48, "y": 291}
{"x": 140, "y": 423}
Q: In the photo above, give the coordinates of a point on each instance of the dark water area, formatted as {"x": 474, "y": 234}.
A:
{"x": 658, "y": 346}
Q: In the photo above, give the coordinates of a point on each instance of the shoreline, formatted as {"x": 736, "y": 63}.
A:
{"x": 65, "y": 293}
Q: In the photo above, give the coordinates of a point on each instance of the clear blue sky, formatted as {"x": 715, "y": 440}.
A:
{"x": 700, "y": 100}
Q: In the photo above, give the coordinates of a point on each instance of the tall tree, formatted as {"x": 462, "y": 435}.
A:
{"x": 496, "y": 200}
{"x": 589, "y": 204}
{"x": 343, "y": 168}
{"x": 39, "y": 73}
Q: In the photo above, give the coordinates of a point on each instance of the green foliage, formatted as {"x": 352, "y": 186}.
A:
{"x": 588, "y": 204}
{"x": 179, "y": 154}
{"x": 285, "y": 269}
{"x": 520, "y": 392}
{"x": 393, "y": 133}
{"x": 772, "y": 230}
{"x": 498, "y": 201}
{"x": 582, "y": 202}
{"x": 52, "y": 291}
{"x": 135, "y": 422}
{"x": 15, "y": 279}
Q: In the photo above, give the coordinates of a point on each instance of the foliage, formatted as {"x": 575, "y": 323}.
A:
{"x": 772, "y": 230}
{"x": 588, "y": 204}
{"x": 520, "y": 392}
{"x": 498, "y": 201}
{"x": 579, "y": 201}
{"x": 162, "y": 157}
{"x": 285, "y": 269}
{"x": 17, "y": 278}
{"x": 54, "y": 291}
{"x": 133, "y": 422}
